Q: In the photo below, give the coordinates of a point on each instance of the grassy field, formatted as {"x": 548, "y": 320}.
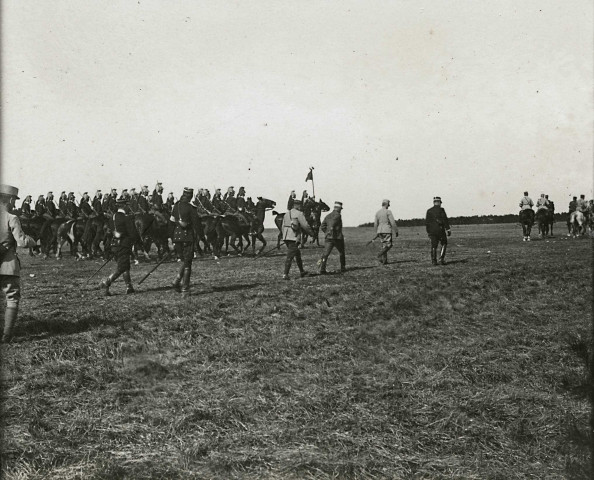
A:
{"x": 473, "y": 370}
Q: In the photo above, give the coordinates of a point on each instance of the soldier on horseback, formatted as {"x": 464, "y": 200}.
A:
{"x": 62, "y": 201}
{"x": 292, "y": 197}
{"x": 169, "y": 203}
{"x": 86, "y": 211}
{"x": 143, "y": 203}
{"x": 156, "y": 202}
{"x": 542, "y": 203}
{"x": 133, "y": 200}
{"x": 26, "y": 206}
{"x": 40, "y": 208}
{"x": 71, "y": 207}
{"x": 241, "y": 207}
{"x": 50, "y": 206}
{"x": 230, "y": 199}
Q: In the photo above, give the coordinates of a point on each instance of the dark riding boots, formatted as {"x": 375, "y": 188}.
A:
{"x": 435, "y": 241}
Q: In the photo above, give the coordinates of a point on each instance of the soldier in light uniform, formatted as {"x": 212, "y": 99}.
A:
{"x": 183, "y": 240}
{"x": 124, "y": 236}
{"x": 437, "y": 225}
{"x": 385, "y": 226}
{"x": 293, "y": 224}
{"x": 582, "y": 205}
{"x": 11, "y": 236}
{"x": 542, "y": 203}
{"x": 332, "y": 227}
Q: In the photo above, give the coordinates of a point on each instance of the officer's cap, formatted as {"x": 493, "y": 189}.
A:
{"x": 437, "y": 199}
{"x": 385, "y": 201}
{"x": 188, "y": 191}
{"x": 338, "y": 204}
{"x": 526, "y": 193}
{"x": 9, "y": 190}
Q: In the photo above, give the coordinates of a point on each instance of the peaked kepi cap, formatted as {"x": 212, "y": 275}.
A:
{"x": 437, "y": 199}
{"x": 9, "y": 190}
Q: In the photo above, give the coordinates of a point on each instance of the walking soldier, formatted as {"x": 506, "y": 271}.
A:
{"x": 183, "y": 239}
{"x": 293, "y": 224}
{"x": 332, "y": 227}
{"x": 11, "y": 235}
{"x": 124, "y": 236}
{"x": 385, "y": 226}
{"x": 437, "y": 225}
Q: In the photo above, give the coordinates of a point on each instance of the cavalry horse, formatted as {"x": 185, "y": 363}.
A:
{"x": 544, "y": 219}
{"x": 33, "y": 226}
{"x": 527, "y": 221}
{"x": 313, "y": 215}
{"x": 578, "y": 223}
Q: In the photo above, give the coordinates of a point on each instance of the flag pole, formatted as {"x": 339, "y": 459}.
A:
{"x": 313, "y": 187}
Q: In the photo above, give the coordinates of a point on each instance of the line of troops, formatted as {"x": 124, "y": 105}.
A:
{"x": 138, "y": 202}
{"x": 544, "y": 203}
{"x": 294, "y": 224}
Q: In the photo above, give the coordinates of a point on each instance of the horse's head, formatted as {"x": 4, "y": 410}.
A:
{"x": 323, "y": 207}
{"x": 266, "y": 203}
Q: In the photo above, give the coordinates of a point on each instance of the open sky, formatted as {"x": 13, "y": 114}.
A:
{"x": 472, "y": 101}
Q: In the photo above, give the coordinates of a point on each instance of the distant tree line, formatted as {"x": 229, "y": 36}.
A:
{"x": 473, "y": 220}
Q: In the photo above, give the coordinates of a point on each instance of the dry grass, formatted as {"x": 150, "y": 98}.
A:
{"x": 472, "y": 370}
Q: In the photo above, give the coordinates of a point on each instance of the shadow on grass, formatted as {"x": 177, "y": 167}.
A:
{"x": 232, "y": 288}
{"x": 453, "y": 262}
{"x": 33, "y": 328}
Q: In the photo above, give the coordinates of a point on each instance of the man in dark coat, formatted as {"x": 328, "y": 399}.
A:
{"x": 438, "y": 229}
{"x": 50, "y": 205}
{"x": 40, "y": 206}
{"x": 143, "y": 203}
{"x": 62, "y": 202}
{"x": 97, "y": 204}
{"x": 292, "y": 197}
{"x": 183, "y": 240}
{"x": 124, "y": 236}
{"x": 332, "y": 227}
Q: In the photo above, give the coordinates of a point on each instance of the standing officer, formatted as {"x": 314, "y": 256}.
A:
{"x": 332, "y": 227}
{"x": 437, "y": 225}
{"x": 124, "y": 236}
{"x": 385, "y": 225}
{"x": 183, "y": 240}
{"x": 293, "y": 224}
{"x": 11, "y": 235}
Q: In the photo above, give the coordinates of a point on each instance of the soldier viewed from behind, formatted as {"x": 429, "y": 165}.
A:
{"x": 385, "y": 227}
{"x": 581, "y": 204}
{"x": 332, "y": 227}
{"x": 11, "y": 235}
{"x": 294, "y": 224}
{"x": 124, "y": 236}
{"x": 183, "y": 239}
{"x": 437, "y": 226}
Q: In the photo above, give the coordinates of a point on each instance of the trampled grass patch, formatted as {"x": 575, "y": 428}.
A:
{"x": 477, "y": 369}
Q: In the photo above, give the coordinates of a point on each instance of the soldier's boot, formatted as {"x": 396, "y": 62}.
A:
{"x": 300, "y": 266}
{"x": 323, "y": 262}
{"x": 342, "y": 267}
{"x": 382, "y": 256}
{"x": 185, "y": 289}
{"x": 128, "y": 280}
{"x": 443, "y": 254}
{"x": 433, "y": 256}
{"x": 105, "y": 284}
{"x": 10, "y": 317}
{"x": 178, "y": 279}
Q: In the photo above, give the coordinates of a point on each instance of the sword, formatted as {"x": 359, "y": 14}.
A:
{"x": 372, "y": 240}
{"x": 263, "y": 254}
{"x": 100, "y": 268}
{"x": 154, "y": 268}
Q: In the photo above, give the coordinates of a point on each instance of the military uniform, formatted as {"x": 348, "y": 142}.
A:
{"x": 11, "y": 235}
{"x": 385, "y": 226}
{"x": 62, "y": 202}
{"x": 133, "y": 200}
{"x": 143, "y": 204}
{"x": 293, "y": 223}
{"x": 581, "y": 204}
{"x": 124, "y": 236}
{"x": 526, "y": 203}
{"x": 332, "y": 227}
{"x": 183, "y": 240}
{"x": 542, "y": 203}
{"x": 40, "y": 206}
{"x": 97, "y": 204}
{"x": 169, "y": 203}
{"x": 230, "y": 199}
{"x": 291, "y": 200}
{"x": 26, "y": 206}
{"x": 437, "y": 225}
